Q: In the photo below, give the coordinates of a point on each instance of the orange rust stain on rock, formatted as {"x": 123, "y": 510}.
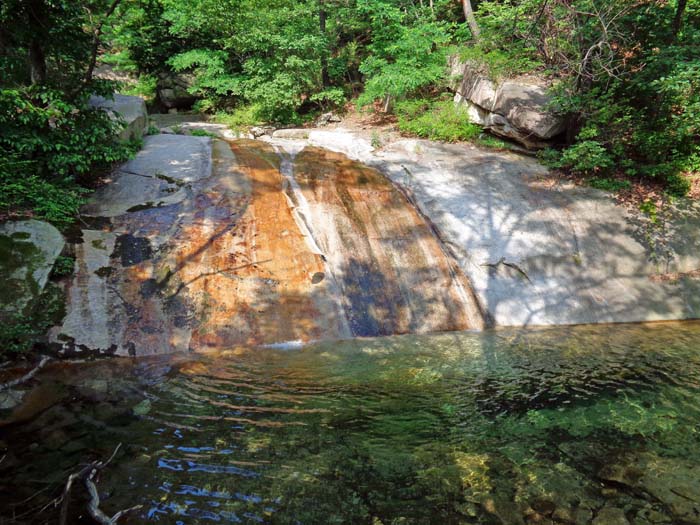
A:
{"x": 395, "y": 276}
{"x": 254, "y": 282}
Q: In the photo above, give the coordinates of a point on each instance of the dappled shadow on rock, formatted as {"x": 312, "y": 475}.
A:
{"x": 253, "y": 254}
{"x": 539, "y": 255}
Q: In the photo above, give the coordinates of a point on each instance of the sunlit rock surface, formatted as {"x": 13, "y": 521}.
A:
{"x": 181, "y": 252}
{"x": 538, "y": 251}
{"x": 515, "y": 108}
{"x": 28, "y": 250}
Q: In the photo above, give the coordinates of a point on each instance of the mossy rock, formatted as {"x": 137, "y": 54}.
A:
{"x": 28, "y": 251}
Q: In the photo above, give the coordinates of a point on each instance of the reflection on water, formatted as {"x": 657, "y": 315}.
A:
{"x": 565, "y": 425}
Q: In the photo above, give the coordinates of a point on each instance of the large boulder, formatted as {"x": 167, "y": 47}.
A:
{"x": 131, "y": 110}
{"x": 517, "y": 109}
{"x": 173, "y": 90}
{"x": 28, "y": 251}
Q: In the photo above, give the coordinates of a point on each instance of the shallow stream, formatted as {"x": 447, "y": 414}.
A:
{"x": 560, "y": 425}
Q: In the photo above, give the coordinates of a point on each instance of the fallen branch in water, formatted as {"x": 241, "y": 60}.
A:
{"x": 87, "y": 475}
{"x": 26, "y": 377}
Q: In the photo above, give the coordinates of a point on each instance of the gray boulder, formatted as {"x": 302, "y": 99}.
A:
{"x": 173, "y": 90}
{"x": 517, "y": 109}
{"x": 28, "y": 251}
{"x": 131, "y": 110}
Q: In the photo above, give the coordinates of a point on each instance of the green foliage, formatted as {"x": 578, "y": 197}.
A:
{"x": 62, "y": 138}
{"x": 410, "y": 58}
{"x": 329, "y": 98}
{"x": 611, "y": 185}
{"x": 22, "y": 331}
{"x": 202, "y": 133}
{"x": 63, "y": 266}
{"x": 144, "y": 87}
{"x": 587, "y": 157}
{"x": 677, "y": 185}
{"x": 500, "y": 63}
{"x": 22, "y": 191}
{"x": 440, "y": 120}
{"x": 241, "y": 118}
{"x": 49, "y": 145}
{"x": 649, "y": 208}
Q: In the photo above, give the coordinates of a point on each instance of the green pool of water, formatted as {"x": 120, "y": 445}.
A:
{"x": 568, "y": 425}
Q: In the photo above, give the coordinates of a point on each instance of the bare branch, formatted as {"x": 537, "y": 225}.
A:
{"x": 26, "y": 377}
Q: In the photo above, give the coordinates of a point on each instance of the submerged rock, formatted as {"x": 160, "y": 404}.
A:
{"x": 610, "y": 516}
{"x": 28, "y": 251}
{"x": 672, "y": 481}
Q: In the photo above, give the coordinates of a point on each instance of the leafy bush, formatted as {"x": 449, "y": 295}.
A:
{"x": 61, "y": 138}
{"x": 144, "y": 87}
{"x": 202, "y": 133}
{"x": 500, "y": 63}
{"x": 587, "y": 157}
{"x": 413, "y": 59}
{"x": 24, "y": 192}
{"x": 611, "y": 185}
{"x": 63, "y": 266}
{"x": 48, "y": 146}
{"x": 22, "y": 331}
{"x": 440, "y": 120}
{"x": 677, "y": 185}
{"x": 241, "y": 118}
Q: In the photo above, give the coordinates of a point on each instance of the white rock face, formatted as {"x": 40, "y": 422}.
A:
{"x": 513, "y": 109}
{"x": 536, "y": 252}
{"x": 156, "y": 177}
{"x": 132, "y": 110}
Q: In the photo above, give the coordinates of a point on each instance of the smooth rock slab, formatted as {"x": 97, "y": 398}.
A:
{"x": 177, "y": 157}
{"x": 538, "y": 252}
{"x": 28, "y": 251}
{"x": 158, "y": 176}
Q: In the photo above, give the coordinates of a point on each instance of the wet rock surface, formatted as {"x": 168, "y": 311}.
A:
{"x": 672, "y": 482}
{"x": 252, "y": 248}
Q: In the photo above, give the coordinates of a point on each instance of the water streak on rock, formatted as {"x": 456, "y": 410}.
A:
{"x": 256, "y": 254}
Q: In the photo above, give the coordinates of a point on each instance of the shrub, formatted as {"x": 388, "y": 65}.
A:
{"x": 49, "y": 146}
{"x": 241, "y": 118}
{"x": 587, "y": 157}
{"x": 23, "y": 192}
{"x": 677, "y": 185}
{"x": 440, "y": 120}
{"x": 611, "y": 185}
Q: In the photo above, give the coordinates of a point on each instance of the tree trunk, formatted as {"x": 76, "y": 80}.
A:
{"x": 678, "y": 19}
{"x": 324, "y": 57}
{"x": 96, "y": 35}
{"x": 37, "y": 62}
{"x": 38, "y": 23}
{"x": 471, "y": 20}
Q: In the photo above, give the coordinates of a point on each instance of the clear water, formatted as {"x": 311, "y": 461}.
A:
{"x": 562, "y": 425}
